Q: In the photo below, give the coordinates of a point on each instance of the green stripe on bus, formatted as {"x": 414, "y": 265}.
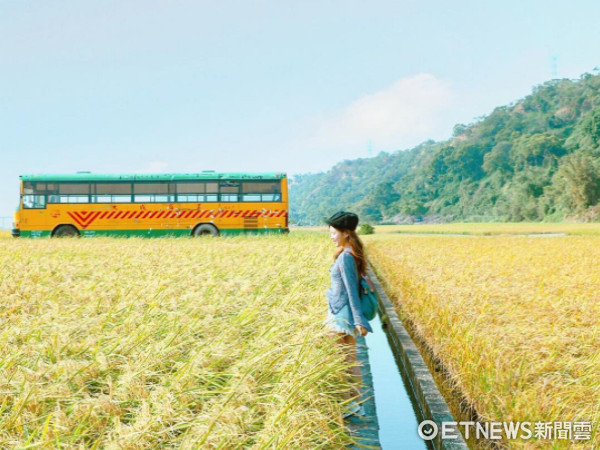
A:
{"x": 34, "y": 234}
{"x": 157, "y": 233}
{"x": 201, "y": 176}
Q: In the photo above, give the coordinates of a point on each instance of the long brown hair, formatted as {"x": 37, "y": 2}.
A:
{"x": 357, "y": 251}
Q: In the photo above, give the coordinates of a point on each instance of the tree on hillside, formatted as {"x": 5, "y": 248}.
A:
{"x": 498, "y": 159}
{"x": 537, "y": 150}
{"x": 578, "y": 181}
{"x": 586, "y": 136}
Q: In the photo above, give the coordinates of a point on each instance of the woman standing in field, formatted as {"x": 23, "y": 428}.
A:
{"x": 345, "y": 317}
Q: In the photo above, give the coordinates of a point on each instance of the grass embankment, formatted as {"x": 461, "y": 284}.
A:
{"x": 136, "y": 343}
{"x": 514, "y": 320}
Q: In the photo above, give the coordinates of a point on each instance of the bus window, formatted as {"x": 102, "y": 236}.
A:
{"x": 66, "y": 192}
{"x": 31, "y": 201}
{"x": 39, "y": 188}
{"x": 153, "y": 198}
{"x": 74, "y": 189}
{"x": 44, "y": 188}
{"x": 229, "y": 192}
{"x": 199, "y": 198}
{"x": 261, "y": 191}
{"x": 112, "y": 193}
{"x": 153, "y": 192}
{"x": 197, "y": 192}
{"x": 271, "y": 197}
{"x": 191, "y": 188}
{"x": 68, "y": 199}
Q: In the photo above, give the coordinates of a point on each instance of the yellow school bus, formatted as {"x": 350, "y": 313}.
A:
{"x": 195, "y": 204}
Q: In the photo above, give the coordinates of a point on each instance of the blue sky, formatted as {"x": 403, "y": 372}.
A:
{"x": 294, "y": 86}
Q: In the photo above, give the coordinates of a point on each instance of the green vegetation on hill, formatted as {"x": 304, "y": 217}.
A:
{"x": 536, "y": 159}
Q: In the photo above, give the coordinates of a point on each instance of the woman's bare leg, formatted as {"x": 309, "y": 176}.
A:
{"x": 348, "y": 344}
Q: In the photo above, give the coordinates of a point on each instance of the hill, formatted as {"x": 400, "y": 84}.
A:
{"x": 535, "y": 159}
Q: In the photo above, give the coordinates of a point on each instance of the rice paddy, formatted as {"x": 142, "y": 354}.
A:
{"x": 139, "y": 343}
{"x": 488, "y": 229}
{"x": 142, "y": 343}
{"x": 483, "y": 229}
{"x": 514, "y": 320}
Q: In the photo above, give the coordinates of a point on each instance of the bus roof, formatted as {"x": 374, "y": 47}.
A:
{"x": 205, "y": 175}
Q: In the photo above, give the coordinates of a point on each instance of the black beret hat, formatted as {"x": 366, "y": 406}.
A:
{"x": 343, "y": 220}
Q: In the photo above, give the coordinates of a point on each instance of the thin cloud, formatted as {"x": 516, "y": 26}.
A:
{"x": 154, "y": 167}
{"x": 411, "y": 110}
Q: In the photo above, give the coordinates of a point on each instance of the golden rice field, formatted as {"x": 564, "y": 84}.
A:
{"x": 485, "y": 229}
{"x": 495, "y": 228}
{"x": 143, "y": 343}
{"x": 515, "y": 320}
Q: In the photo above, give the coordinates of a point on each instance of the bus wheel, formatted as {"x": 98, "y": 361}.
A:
{"x": 205, "y": 230}
{"x": 66, "y": 231}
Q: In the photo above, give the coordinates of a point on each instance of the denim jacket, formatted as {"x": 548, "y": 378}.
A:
{"x": 344, "y": 288}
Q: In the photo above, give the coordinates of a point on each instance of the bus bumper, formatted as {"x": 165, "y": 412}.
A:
{"x": 16, "y": 232}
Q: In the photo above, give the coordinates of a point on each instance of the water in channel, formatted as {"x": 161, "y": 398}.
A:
{"x": 395, "y": 412}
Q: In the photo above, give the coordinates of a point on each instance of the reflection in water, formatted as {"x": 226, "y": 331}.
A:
{"x": 397, "y": 420}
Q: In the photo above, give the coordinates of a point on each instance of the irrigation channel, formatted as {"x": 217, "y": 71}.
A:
{"x": 399, "y": 389}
